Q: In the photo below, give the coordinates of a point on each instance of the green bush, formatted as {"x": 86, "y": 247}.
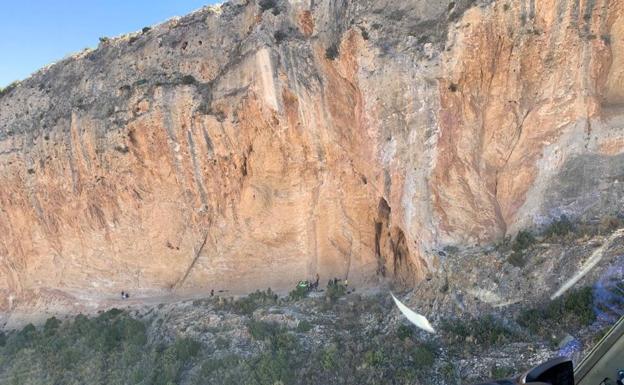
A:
{"x": 266, "y": 5}
{"x": 216, "y": 365}
{"x": 51, "y": 325}
{"x": 332, "y": 52}
{"x": 8, "y": 88}
{"x": 188, "y": 79}
{"x": 329, "y": 360}
{"x": 485, "y": 331}
{"x": 280, "y": 36}
{"x": 298, "y": 293}
{"x": 274, "y": 367}
{"x": 449, "y": 374}
{"x": 524, "y": 239}
{"x": 262, "y": 330}
{"x": 113, "y": 328}
{"x": 374, "y": 358}
{"x": 517, "y": 259}
{"x": 335, "y": 290}
{"x": 247, "y": 305}
{"x": 404, "y": 332}
{"x": 573, "y": 310}
{"x": 227, "y": 370}
{"x": 244, "y": 305}
{"x": 499, "y": 372}
{"x": 304, "y": 326}
{"x": 222, "y": 343}
{"x": 424, "y": 356}
{"x": 111, "y": 348}
{"x": 23, "y": 339}
{"x": 559, "y": 228}
{"x": 186, "y": 348}
{"x": 610, "y": 223}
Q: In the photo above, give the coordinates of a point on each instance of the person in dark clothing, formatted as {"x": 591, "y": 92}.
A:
{"x": 127, "y": 296}
{"x": 123, "y": 295}
{"x": 212, "y": 292}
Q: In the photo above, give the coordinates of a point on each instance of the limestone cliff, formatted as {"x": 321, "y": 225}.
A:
{"x": 253, "y": 144}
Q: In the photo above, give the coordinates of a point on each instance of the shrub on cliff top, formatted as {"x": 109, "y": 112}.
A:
{"x": 7, "y": 89}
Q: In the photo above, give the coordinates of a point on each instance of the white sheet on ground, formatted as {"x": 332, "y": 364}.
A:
{"x": 415, "y": 318}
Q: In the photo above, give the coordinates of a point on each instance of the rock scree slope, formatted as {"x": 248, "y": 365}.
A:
{"x": 252, "y": 144}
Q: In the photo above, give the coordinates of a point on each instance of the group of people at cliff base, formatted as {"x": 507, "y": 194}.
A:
{"x": 338, "y": 281}
{"x": 310, "y": 286}
{"x": 314, "y": 286}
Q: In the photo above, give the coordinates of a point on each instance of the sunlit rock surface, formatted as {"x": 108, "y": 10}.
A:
{"x": 252, "y": 145}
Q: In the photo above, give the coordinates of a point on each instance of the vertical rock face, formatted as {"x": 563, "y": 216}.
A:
{"x": 253, "y": 145}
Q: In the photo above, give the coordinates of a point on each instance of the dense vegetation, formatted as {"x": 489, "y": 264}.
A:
{"x": 111, "y": 348}
{"x": 478, "y": 333}
{"x": 569, "y": 312}
{"x": 558, "y": 231}
{"x": 115, "y": 348}
{"x": 361, "y": 347}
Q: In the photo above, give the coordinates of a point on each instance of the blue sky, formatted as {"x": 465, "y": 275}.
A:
{"x": 34, "y": 33}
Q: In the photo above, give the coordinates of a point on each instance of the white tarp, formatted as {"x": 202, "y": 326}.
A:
{"x": 415, "y": 318}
